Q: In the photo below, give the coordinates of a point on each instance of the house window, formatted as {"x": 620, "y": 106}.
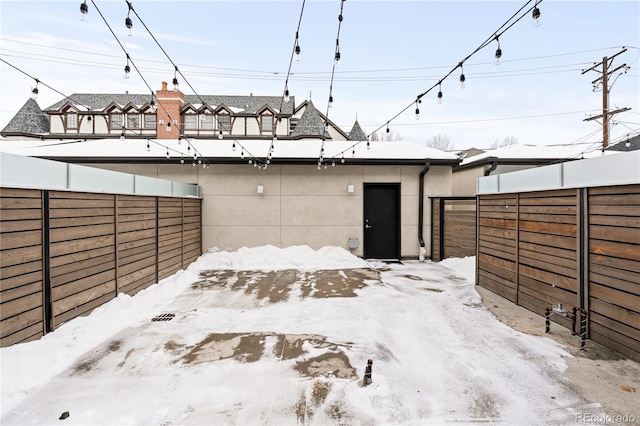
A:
{"x": 72, "y": 120}
{"x": 206, "y": 122}
{"x": 267, "y": 123}
{"x": 190, "y": 121}
{"x": 116, "y": 121}
{"x": 149, "y": 121}
{"x": 224, "y": 123}
{"x": 133, "y": 121}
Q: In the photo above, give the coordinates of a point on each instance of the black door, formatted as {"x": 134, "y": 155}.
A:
{"x": 382, "y": 220}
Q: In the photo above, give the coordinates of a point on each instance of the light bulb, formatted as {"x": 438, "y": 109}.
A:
{"x": 168, "y": 127}
{"x": 34, "y": 92}
{"x": 129, "y": 24}
{"x": 439, "y": 96}
{"x": 462, "y": 80}
{"x": 242, "y": 154}
{"x": 176, "y": 85}
{"x": 498, "y": 55}
{"x": 233, "y": 147}
{"x": 153, "y": 107}
{"x": 127, "y": 70}
{"x": 84, "y": 9}
{"x": 368, "y": 145}
{"x": 220, "y": 134}
{"x": 297, "y": 50}
{"x": 168, "y": 155}
{"x": 286, "y": 96}
{"x": 330, "y": 101}
{"x": 148, "y": 147}
{"x": 536, "y": 16}
{"x": 337, "y": 59}
{"x": 417, "y": 113}
{"x": 122, "y": 137}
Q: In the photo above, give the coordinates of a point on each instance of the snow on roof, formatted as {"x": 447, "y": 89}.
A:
{"x": 526, "y": 152}
{"x": 223, "y": 149}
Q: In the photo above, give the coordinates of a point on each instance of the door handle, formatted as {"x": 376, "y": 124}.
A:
{"x": 368, "y": 226}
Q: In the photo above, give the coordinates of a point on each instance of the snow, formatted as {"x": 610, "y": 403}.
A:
{"x": 212, "y": 149}
{"x": 525, "y": 152}
{"x": 439, "y": 355}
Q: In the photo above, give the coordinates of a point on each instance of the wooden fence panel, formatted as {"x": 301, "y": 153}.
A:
{"x": 21, "y": 268}
{"x": 137, "y": 243}
{"x": 453, "y": 225}
{"x": 436, "y": 232}
{"x": 81, "y": 225}
{"x": 496, "y": 246}
{"x": 614, "y": 268}
{"x": 192, "y": 230}
{"x": 170, "y": 224}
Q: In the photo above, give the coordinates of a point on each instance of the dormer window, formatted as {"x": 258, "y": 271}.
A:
{"x": 266, "y": 123}
{"x": 71, "y": 120}
{"x": 190, "y": 121}
{"x": 116, "y": 121}
{"x": 133, "y": 121}
{"x": 224, "y": 123}
{"x": 206, "y": 121}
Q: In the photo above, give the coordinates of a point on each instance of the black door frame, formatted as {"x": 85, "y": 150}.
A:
{"x": 397, "y": 228}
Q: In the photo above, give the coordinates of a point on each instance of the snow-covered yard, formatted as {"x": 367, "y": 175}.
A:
{"x": 282, "y": 336}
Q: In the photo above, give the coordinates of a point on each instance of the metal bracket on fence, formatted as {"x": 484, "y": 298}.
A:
{"x": 573, "y": 316}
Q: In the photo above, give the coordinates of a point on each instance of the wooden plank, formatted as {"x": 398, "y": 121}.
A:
{"x": 78, "y": 274}
{"x": 496, "y": 285}
{"x": 549, "y": 218}
{"x": 82, "y": 286}
{"x": 28, "y": 277}
{"x": 619, "y": 327}
{"x": 615, "y": 233}
{"x": 69, "y": 195}
{"x": 629, "y": 211}
{"x": 16, "y": 240}
{"x": 86, "y": 204}
{"x": 628, "y": 274}
{"x": 125, "y": 237}
{"x": 615, "y": 249}
{"x": 546, "y": 293}
{"x": 67, "y": 213}
{"x": 615, "y": 199}
{"x": 615, "y": 341}
{"x": 565, "y": 282}
{"x": 76, "y": 246}
{"x": 21, "y": 321}
{"x": 18, "y": 292}
{"x": 538, "y": 306}
{"x": 129, "y": 279}
{"x": 79, "y": 232}
{"x": 87, "y": 265}
{"x": 19, "y": 225}
{"x": 567, "y": 230}
{"x": 33, "y": 332}
{"x": 18, "y": 215}
{"x": 548, "y": 240}
{"x": 622, "y": 221}
{"x": 605, "y": 190}
{"x": 78, "y": 299}
{"x": 81, "y": 310}
{"x": 20, "y": 193}
{"x": 549, "y": 263}
{"x": 80, "y": 221}
{"x": 17, "y": 306}
{"x": 82, "y": 256}
{"x": 617, "y": 313}
{"x": 20, "y": 203}
{"x": 20, "y": 255}
{"x": 620, "y": 298}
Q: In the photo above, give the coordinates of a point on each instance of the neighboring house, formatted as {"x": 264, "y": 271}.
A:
{"x": 369, "y": 197}
{"x": 170, "y": 114}
{"x": 628, "y": 144}
{"x": 477, "y": 163}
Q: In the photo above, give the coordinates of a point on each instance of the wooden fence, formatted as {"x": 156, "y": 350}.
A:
{"x": 62, "y": 254}
{"x": 579, "y": 247}
{"x": 453, "y": 224}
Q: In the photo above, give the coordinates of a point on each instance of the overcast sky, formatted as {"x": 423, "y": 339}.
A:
{"x": 390, "y": 52}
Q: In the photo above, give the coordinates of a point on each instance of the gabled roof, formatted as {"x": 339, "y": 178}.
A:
{"x": 356, "y": 133}
{"x": 248, "y": 104}
{"x": 29, "y": 119}
{"x": 629, "y": 144}
{"x": 310, "y": 124}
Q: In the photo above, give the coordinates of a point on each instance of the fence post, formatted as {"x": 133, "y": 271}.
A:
{"x": 46, "y": 265}
{"x": 583, "y": 255}
{"x": 517, "y": 247}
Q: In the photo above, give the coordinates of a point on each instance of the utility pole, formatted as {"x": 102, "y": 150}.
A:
{"x": 606, "y": 115}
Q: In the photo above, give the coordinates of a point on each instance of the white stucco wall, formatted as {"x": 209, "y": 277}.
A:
{"x": 300, "y": 205}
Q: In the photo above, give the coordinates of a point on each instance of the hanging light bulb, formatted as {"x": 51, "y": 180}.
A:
{"x": 353, "y": 151}
{"x": 122, "y": 137}
{"x": 181, "y": 159}
{"x": 84, "y": 9}
{"x": 168, "y": 126}
{"x": 417, "y": 111}
{"x": 148, "y": 147}
{"x": 388, "y": 131}
{"x": 439, "y": 93}
{"x": 286, "y": 95}
{"x": 220, "y": 134}
{"x": 233, "y": 147}
{"x": 342, "y": 159}
{"x": 535, "y": 14}
{"x": 242, "y": 154}
{"x": 336, "y": 60}
{"x": 275, "y": 139}
{"x": 330, "y": 101}
{"x": 168, "y": 155}
{"x": 34, "y": 91}
{"x": 368, "y": 144}
{"x": 176, "y": 86}
{"x": 462, "y": 77}
{"x": 128, "y": 22}
{"x": 153, "y": 108}
{"x": 127, "y": 70}
{"x": 297, "y": 48}
{"x": 498, "y": 52}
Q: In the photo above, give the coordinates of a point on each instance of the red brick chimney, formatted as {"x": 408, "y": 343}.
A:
{"x": 169, "y": 104}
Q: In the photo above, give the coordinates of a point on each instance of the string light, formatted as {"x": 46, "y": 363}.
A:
{"x": 176, "y": 86}
{"x": 148, "y": 146}
{"x": 127, "y": 68}
{"x": 297, "y": 49}
{"x": 84, "y": 9}
{"x": 439, "y": 93}
{"x": 122, "y": 139}
{"x": 498, "y": 52}
{"x": 168, "y": 155}
{"x": 388, "y": 131}
{"x": 336, "y": 59}
{"x": 535, "y": 13}
{"x": 286, "y": 95}
{"x": 128, "y": 22}
{"x": 462, "y": 77}
{"x": 233, "y": 147}
{"x": 417, "y": 109}
{"x": 330, "y": 101}
{"x": 34, "y": 91}
{"x": 168, "y": 126}
{"x": 152, "y": 107}
{"x": 220, "y": 134}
